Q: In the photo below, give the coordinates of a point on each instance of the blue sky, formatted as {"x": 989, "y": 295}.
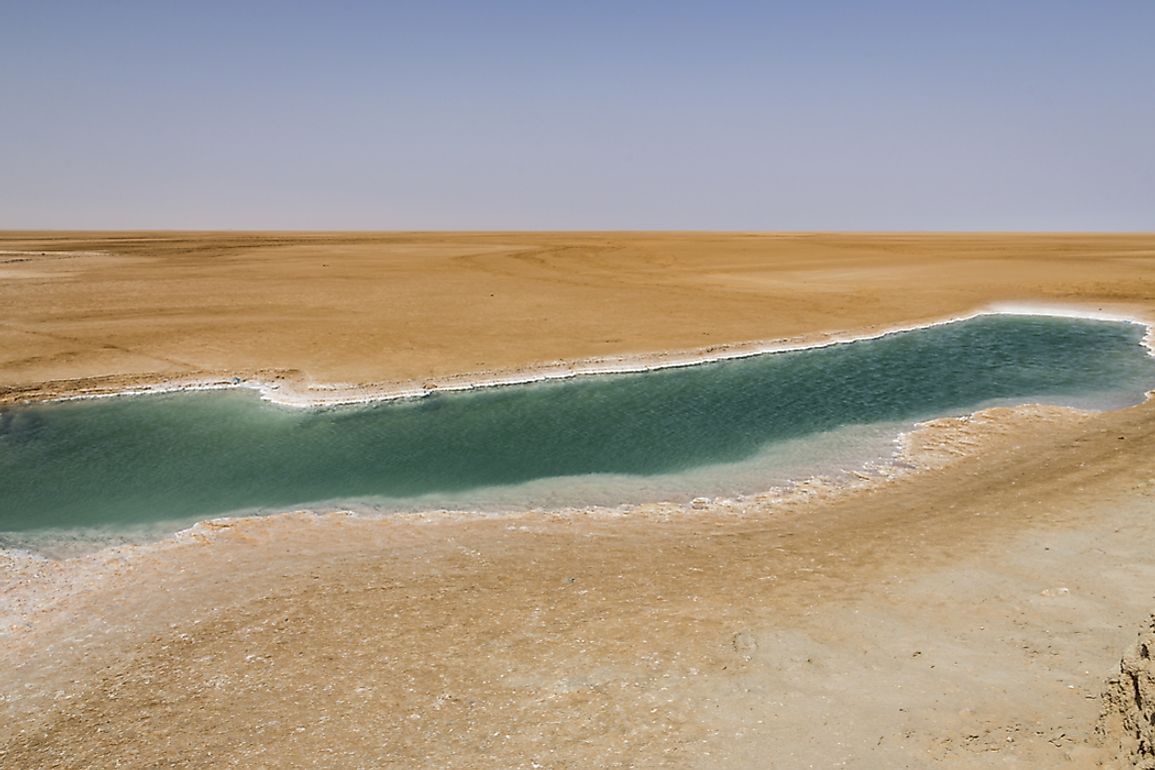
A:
{"x": 605, "y": 115}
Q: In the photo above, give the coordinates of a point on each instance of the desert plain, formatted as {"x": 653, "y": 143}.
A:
{"x": 968, "y": 610}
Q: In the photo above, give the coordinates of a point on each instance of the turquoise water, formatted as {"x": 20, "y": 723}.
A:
{"x": 138, "y": 460}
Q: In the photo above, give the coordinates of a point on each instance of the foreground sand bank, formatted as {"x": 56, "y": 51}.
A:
{"x": 968, "y": 615}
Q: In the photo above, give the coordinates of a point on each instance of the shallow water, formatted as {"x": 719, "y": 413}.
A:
{"x": 721, "y": 428}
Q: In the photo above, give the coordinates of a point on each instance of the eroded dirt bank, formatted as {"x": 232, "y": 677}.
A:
{"x": 1128, "y": 725}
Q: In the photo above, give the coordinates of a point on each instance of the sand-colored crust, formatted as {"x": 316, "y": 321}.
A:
{"x": 964, "y": 613}
{"x": 341, "y": 317}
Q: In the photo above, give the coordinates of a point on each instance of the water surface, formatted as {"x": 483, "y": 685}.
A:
{"x": 718, "y": 428}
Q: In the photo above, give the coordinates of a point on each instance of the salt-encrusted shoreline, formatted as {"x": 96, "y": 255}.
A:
{"x": 32, "y": 581}
{"x": 927, "y": 446}
{"x": 289, "y": 394}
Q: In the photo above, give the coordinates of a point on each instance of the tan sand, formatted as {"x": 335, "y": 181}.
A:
{"x": 966, "y": 615}
{"x": 403, "y": 311}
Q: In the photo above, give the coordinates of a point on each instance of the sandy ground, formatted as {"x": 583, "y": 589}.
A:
{"x": 407, "y": 311}
{"x": 968, "y": 614}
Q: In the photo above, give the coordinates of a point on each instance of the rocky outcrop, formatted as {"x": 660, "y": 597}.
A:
{"x": 1128, "y": 722}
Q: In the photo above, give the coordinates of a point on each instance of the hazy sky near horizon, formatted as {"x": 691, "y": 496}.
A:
{"x": 605, "y": 115}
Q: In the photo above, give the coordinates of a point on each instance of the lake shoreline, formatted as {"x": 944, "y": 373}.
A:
{"x": 928, "y": 445}
{"x": 288, "y": 392}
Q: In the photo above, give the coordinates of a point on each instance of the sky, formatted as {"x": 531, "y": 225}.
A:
{"x": 823, "y": 115}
